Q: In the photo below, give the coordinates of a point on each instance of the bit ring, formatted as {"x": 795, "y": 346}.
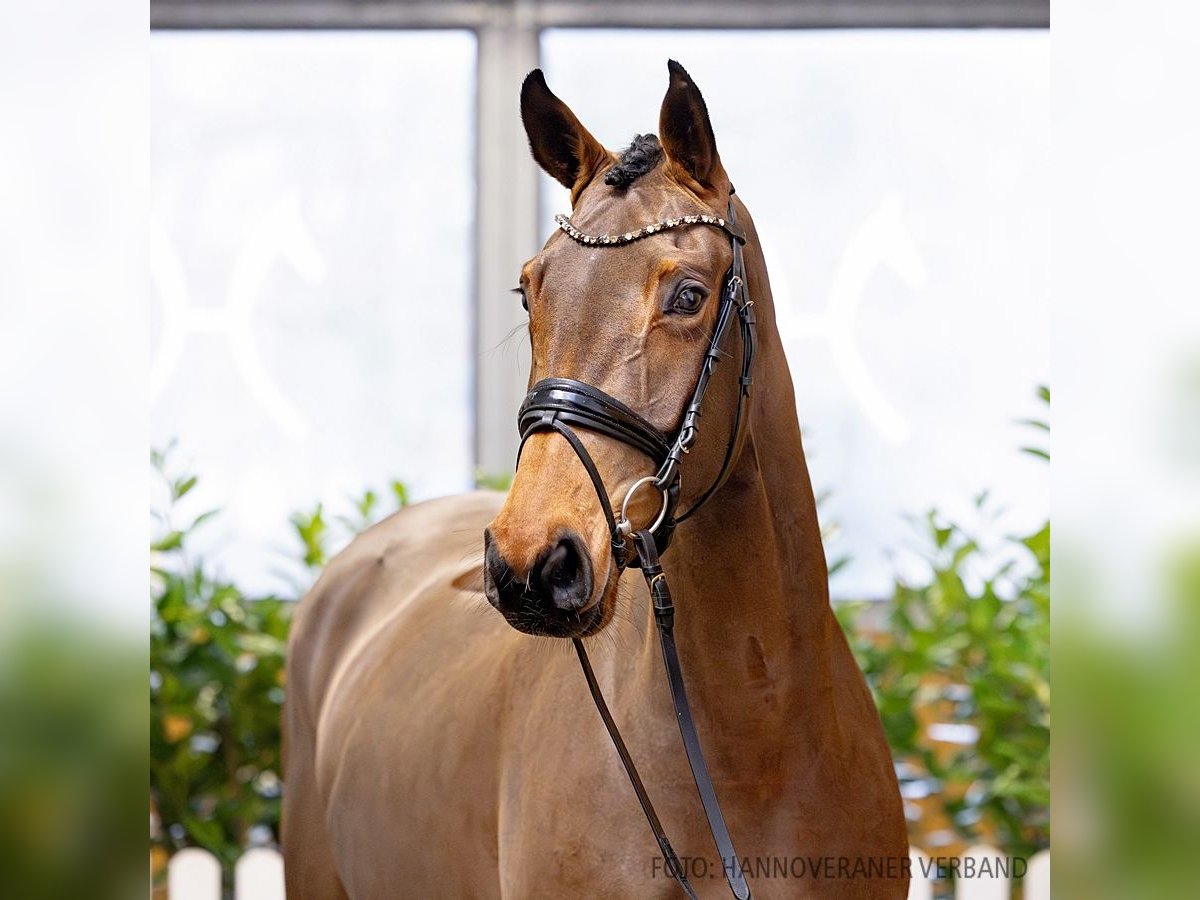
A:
{"x": 625, "y": 527}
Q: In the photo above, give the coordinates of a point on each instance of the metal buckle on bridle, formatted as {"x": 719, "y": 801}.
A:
{"x": 687, "y": 437}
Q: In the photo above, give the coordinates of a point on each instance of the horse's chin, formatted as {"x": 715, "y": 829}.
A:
{"x": 558, "y": 625}
{"x": 567, "y": 624}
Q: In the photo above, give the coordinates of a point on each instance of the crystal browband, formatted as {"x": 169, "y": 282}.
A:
{"x": 646, "y": 230}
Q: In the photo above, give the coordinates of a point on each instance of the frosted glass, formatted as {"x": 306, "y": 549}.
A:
{"x": 312, "y": 253}
{"x": 899, "y": 181}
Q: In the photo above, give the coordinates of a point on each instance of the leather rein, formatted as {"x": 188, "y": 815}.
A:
{"x": 562, "y": 405}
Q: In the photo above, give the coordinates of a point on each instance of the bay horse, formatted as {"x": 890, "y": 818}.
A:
{"x": 434, "y": 748}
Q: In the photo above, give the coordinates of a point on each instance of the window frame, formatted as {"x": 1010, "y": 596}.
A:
{"x": 508, "y": 41}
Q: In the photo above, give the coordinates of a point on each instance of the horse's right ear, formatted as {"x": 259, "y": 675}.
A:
{"x": 560, "y": 144}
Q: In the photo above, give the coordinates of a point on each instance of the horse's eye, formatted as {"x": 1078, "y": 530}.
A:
{"x": 524, "y": 300}
{"x": 689, "y": 299}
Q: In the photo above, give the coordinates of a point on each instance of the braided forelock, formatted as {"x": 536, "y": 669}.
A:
{"x": 641, "y": 156}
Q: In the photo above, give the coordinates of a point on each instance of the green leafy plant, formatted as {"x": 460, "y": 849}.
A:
{"x": 961, "y": 676}
{"x": 216, "y": 688}
{"x": 217, "y": 676}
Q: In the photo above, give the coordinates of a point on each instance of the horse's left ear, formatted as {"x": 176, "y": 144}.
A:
{"x": 686, "y": 135}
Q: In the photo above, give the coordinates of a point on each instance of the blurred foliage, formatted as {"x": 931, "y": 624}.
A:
{"x": 1041, "y": 426}
{"x": 968, "y": 647}
{"x": 1127, "y": 751}
{"x": 493, "y": 481}
{"x": 217, "y": 678}
{"x": 72, "y": 751}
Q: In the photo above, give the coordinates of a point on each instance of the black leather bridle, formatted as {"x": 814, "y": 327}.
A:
{"x": 562, "y": 405}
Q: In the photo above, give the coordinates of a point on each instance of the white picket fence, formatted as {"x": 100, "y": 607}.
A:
{"x": 993, "y": 887}
{"x": 195, "y": 874}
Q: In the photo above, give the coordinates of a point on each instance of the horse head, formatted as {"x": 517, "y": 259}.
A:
{"x": 623, "y": 300}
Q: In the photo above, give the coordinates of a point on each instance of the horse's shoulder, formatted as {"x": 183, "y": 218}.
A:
{"x": 420, "y": 537}
{"x": 431, "y": 547}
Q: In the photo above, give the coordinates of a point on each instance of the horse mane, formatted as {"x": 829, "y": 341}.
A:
{"x": 640, "y": 157}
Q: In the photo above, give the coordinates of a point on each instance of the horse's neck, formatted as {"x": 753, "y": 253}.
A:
{"x": 749, "y": 579}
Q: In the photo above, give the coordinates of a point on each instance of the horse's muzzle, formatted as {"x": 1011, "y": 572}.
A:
{"x": 551, "y": 598}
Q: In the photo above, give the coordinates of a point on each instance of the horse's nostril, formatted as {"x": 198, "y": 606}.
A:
{"x": 564, "y": 575}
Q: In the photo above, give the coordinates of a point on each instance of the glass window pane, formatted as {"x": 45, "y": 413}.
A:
{"x": 898, "y": 180}
{"x": 312, "y": 262}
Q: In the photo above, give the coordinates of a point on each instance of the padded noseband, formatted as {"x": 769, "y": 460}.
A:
{"x": 579, "y": 404}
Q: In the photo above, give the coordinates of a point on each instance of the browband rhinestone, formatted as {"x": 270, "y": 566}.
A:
{"x": 630, "y": 236}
